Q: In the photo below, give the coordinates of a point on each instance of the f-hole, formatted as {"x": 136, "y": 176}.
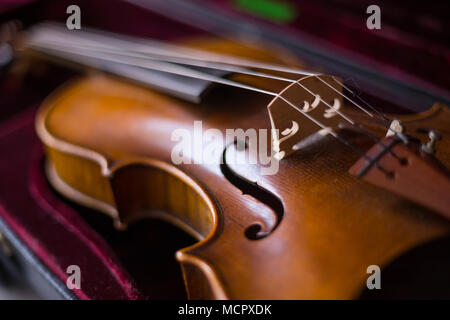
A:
{"x": 253, "y": 232}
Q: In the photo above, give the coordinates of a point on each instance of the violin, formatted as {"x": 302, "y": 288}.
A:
{"x": 310, "y": 188}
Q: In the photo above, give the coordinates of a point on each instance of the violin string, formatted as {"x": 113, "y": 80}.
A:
{"x": 149, "y": 64}
{"x": 179, "y": 70}
{"x": 238, "y": 69}
{"x": 382, "y": 115}
{"x": 231, "y": 66}
{"x": 234, "y": 69}
{"x": 166, "y": 50}
{"x": 386, "y": 121}
{"x": 147, "y": 46}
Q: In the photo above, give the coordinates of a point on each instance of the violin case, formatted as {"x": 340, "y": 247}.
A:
{"x": 43, "y": 234}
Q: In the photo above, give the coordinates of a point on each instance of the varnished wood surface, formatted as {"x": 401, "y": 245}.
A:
{"x": 409, "y": 172}
{"x": 110, "y": 141}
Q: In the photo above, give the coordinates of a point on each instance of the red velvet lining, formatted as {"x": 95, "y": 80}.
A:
{"x": 56, "y": 234}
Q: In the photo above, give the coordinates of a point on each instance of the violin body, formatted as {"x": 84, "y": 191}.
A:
{"x": 109, "y": 145}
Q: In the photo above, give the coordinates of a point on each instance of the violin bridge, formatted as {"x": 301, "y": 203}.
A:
{"x": 317, "y": 97}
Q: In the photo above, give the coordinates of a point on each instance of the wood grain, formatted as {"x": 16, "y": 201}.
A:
{"x": 111, "y": 141}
